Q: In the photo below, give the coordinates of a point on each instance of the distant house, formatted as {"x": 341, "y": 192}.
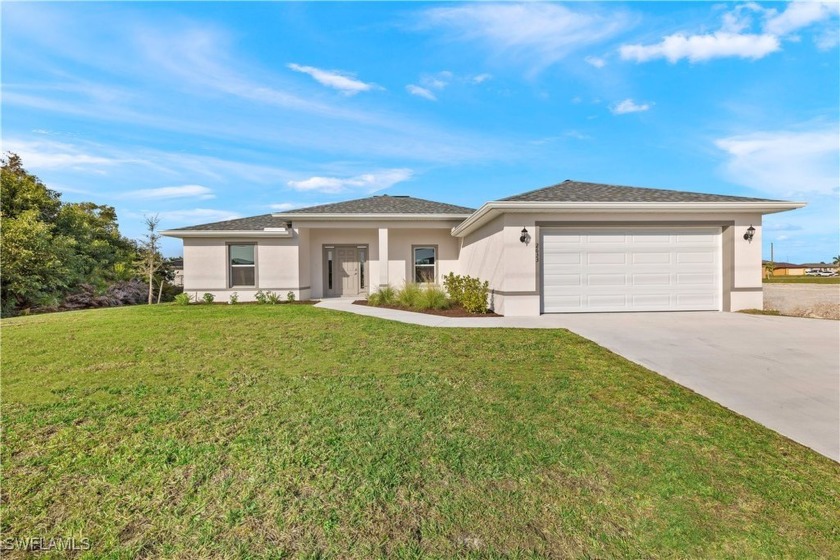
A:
{"x": 791, "y": 269}
{"x": 572, "y": 247}
{"x": 177, "y": 266}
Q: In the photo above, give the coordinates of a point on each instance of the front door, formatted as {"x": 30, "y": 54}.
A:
{"x": 343, "y": 270}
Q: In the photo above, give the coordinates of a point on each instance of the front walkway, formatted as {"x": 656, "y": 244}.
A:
{"x": 783, "y": 372}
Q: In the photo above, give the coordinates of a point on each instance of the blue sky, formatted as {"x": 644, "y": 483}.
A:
{"x": 207, "y": 111}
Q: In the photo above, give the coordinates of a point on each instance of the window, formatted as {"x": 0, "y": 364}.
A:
{"x": 425, "y": 271}
{"x": 329, "y": 269}
{"x": 362, "y": 263}
{"x": 243, "y": 269}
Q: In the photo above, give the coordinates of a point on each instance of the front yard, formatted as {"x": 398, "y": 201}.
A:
{"x": 293, "y": 431}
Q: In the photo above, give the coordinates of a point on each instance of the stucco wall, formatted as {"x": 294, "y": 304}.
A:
{"x": 206, "y": 267}
{"x": 516, "y": 282}
{"x": 400, "y": 259}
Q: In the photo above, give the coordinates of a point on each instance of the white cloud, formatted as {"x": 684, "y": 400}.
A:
{"x": 697, "y": 48}
{"x": 194, "y": 216}
{"x": 163, "y": 193}
{"x": 595, "y": 61}
{"x": 345, "y": 83}
{"x": 283, "y": 206}
{"x": 798, "y": 15}
{"x": 785, "y": 162}
{"x": 436, "y": 81}
{"x": 47, "y": 154}
{"x": 628, "y": 106}
{"x": 420, "y": 92}
{"x": 367, "y": 183}
{"x": 538, "y": 34}
{"x": 734, "y": 39}
{"x": 480, "y": 78}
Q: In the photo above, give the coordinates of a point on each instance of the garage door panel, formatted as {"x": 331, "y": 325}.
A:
{"x": 606, "y": 258}
{"x": 607, "y": 279}
{"x": 652, "y": 257}
{"x": 644, "y": 269}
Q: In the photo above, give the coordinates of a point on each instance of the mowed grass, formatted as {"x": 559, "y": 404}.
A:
{"x": 292, "y": 431}
{"x": 803, "y": 280}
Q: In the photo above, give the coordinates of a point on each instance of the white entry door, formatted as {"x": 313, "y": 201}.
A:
{"x": 638, "y": 269}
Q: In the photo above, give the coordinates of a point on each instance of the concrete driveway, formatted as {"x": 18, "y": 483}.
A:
{"x": 783, "y": 372}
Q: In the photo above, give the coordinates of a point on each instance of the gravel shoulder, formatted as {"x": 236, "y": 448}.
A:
{"x": 803, "y": 300}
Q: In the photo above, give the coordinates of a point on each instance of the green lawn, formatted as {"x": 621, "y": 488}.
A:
{"x": 292, "y": 431}
{"x": 803, "y": 280}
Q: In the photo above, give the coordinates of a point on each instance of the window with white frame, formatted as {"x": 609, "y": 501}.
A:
{"x": 425, "y": 265}
{"x": 243, "y": 266}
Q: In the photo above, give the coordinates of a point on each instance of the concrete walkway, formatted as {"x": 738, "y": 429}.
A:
{"x": 783, "y": 372}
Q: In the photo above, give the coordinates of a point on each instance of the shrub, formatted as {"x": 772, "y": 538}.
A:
{"x": 261, "y": 297}
{"x": 454, "y": 285}
{"x": 234, "y": 298}
{"x": 182, "y": 299}
{"x": 410, "y": 296}
{"x": 290, "y": 297}
{"x": 208, "y": 297}
{"x": 433, "y": 297}
{"x": 272, "y": 298}
{"x": 385, "y": 296}
{"x": 474, "y": 297}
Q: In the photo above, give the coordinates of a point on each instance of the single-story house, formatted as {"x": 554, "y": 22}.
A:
{"x": 785, "y": 268}
{"x": 571, "y": 247}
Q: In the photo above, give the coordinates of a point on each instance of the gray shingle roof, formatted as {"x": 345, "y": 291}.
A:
{"x": 382, "y": 204}
{"x": 577, "y": 191}
{"x": 242, "y": 224}
{"x": 385, "y": 204}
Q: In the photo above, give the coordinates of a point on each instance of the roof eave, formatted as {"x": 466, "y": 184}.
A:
{"x": 181, "y": 233}
{"x": 492, "y": 209}
{"x": 373, "y": 216}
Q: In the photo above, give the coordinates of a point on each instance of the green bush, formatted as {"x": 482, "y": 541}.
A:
{"x": 474, "y": 298}
{"x": 208, "y": 297}
{"x": 432, "y": 297}
{"x": 454, "y": 285}
{"x": 234, "y": 298}
{"x": 385, "y": 296}
{"x": 272, "y": 298}
{"x": 468, "y": 292}
{"x": 410, "y": 296}
{"x": 183, "y": 299}
{"x": 290, "y": 297}
{"x": 261, "y": 297}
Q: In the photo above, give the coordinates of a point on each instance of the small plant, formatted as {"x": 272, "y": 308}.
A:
{"x": 261, "y": 297}
{"x": 208, "y": 297}
{"x": 234, "y": 298}
{"x": 385, "y": 296}
{"x": 433, "y": 297}
{"x": 290, "y": 297}
{"x": 474, "y": 298}
{"x": 454, "y": 284}
{"x": 410, "y": 296}
{"x": 183, "y": 299}
{"x": 272, "y": 298}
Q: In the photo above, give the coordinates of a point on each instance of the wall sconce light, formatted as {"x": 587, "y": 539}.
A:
{"x": 525, "y": 237}
{"x": 749, "y": 234}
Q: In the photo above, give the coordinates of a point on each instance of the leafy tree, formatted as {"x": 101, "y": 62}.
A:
{"x": 23, "y": 191}
{"x": 34, "y": 262}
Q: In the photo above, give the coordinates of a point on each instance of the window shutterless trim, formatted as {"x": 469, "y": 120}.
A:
{"x": 230, "y": 265}
{"x": 414, "y": 262}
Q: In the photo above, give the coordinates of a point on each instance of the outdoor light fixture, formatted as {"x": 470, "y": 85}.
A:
{"x": 525, "y": 237}
{"x": 750, "y": 233}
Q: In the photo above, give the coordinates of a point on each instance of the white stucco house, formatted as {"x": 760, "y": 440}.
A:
{"x": 571, "y": 247}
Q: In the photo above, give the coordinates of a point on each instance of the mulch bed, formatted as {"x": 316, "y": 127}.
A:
{"x": 451, "y": 312}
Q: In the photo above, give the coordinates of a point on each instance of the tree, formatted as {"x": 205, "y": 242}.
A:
{"x": 836, "y": 260}
{"x": 769, "y": 267}
{"x": 150, "y": 257}
{"x": 23, "y": 191}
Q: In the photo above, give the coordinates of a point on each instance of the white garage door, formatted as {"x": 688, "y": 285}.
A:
{"x": 639, "y": 269}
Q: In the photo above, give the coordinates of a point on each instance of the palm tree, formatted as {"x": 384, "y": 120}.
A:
{"x": 836, "y": 260}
